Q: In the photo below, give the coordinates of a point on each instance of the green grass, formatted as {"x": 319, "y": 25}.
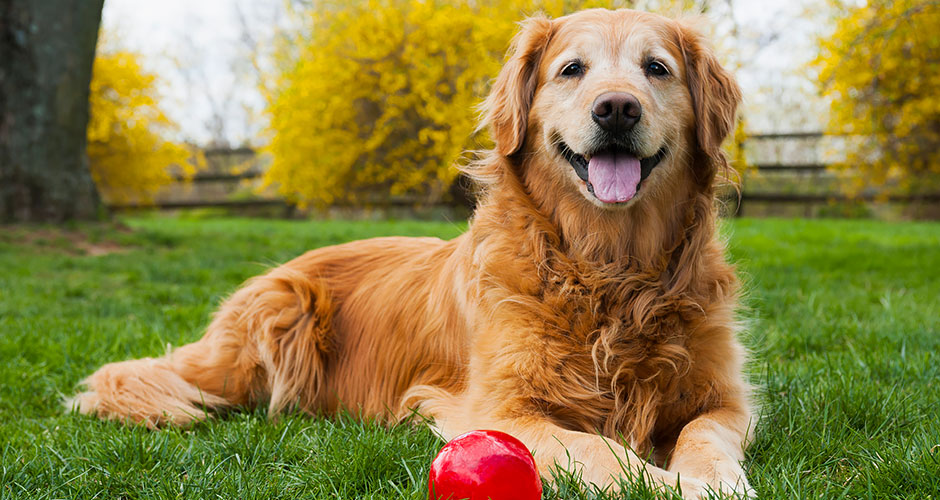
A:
{"x": 843, "y": 322}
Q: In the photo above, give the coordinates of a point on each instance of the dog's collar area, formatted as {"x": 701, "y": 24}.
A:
{"x": 580, "y": 163}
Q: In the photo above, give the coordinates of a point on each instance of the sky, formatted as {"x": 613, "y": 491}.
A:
{"x": 199, "y": 50}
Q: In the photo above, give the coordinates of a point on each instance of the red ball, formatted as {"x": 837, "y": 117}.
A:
{"x": 484, "y": 465}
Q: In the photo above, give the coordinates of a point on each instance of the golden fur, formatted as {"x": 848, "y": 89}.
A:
{"x": 577, "y": 327}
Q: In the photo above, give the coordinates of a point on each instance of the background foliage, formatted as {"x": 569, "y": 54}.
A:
{"x": 129, "y": 152}
{"x": 380, "y": 99}
{"x": 881, "y": 71}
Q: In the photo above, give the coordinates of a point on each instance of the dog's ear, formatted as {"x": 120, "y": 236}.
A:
{"x": 715, "y": 93}
{"x": 506, "y": 109}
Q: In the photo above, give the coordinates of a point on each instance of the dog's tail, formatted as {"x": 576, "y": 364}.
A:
{"x": 147, "y": 391}
{"x": 267, "y": 343}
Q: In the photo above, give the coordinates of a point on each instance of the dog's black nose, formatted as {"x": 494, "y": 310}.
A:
{"x": 616, "y": 112}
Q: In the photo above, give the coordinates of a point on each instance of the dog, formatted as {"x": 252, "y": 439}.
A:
{"x": 588, "y": 310}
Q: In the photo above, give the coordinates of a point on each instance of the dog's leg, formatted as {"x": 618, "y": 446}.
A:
{"x": 266, "y": 343}
{"x": 599, "y": 460}
{"x": 711, "y": 448}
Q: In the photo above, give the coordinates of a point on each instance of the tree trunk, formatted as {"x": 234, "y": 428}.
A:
{"x": 47, "y": 48}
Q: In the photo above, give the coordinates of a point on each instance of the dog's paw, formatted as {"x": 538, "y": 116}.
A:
{"x": 732, "y": 482}
{"x": 693, "y": 489}
{"x": 737, "y": 488}
{"x": 726, "y": 479}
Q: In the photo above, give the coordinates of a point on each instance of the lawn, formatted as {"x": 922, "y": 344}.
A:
{"x": 843, "y": 322}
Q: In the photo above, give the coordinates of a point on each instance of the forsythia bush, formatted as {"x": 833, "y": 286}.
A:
{"x": 881, "y": 70}
{"x": 380, "y": 100}
{"x": 128, "y": 154}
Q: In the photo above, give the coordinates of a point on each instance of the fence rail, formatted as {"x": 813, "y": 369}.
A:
{"x": 786, "y": 135}
{"x": 171, "y": 205}
{"x": 786, "y": 184}
{"x": 826, "y": 198}
{"x": 790, "y": 167}
{"x": 219, "y": 177}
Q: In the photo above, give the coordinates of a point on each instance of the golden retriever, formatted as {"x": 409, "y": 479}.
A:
{"x": 588, "y": 310}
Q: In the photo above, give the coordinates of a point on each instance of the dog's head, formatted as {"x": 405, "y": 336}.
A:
{"x": 612, "y": 104}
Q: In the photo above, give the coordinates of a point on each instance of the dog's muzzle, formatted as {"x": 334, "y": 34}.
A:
{"x": 613, "y": 174}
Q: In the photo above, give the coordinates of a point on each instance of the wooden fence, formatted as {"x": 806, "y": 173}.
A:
{"x": 787, "y": 178}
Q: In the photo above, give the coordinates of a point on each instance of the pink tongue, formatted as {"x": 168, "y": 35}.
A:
{"x": 614, "y": 176}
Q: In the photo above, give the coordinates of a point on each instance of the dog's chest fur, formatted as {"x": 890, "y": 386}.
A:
{"x": 609, "y": 352}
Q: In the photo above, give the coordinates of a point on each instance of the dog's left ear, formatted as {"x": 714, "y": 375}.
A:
{"x": 506, "y": 109}
{"x": 715, "y": 93}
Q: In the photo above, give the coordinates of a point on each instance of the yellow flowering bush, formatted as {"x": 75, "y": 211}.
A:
{"x": 881, "y": 71}
{"x": 128, "y": 152}
{"x": 379, "y": 101}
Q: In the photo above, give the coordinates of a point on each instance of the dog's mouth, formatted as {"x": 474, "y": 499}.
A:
{"x": 612, "y": 174}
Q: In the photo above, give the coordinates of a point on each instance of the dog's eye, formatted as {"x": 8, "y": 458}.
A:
{"x": 656, "y": 68}
{"x": 574, "y": 68}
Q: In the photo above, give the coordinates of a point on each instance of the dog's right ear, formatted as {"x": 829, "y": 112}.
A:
{"x": 506, "y": 109}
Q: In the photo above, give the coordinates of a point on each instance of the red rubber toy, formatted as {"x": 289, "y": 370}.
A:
{"x": 484, "y": 465}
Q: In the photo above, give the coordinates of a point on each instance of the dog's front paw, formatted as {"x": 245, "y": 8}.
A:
{"x": 721, "y": 479}
{"x": 730, "y": 482}
{"x": 693, "y": 489}
{"x": 705, "y": 491}
{"x": 739, "y": 490}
